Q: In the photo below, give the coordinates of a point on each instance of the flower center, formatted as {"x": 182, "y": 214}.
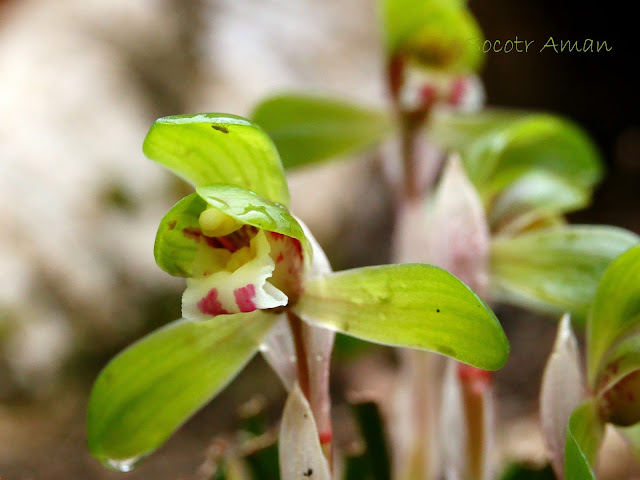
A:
{"x": 242, "y": 271}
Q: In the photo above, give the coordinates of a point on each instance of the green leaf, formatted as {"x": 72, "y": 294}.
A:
{"x": 145, "y": 393}
{"x": 373, "y": 434}
{"x": 438, "y": 33}
{"x": 178, "y": 239}
{"x": 309, "y": 129}
{"x": 248, "y": 208}
{"x": 615, "y": 313}
{"x": 540, "y": 192}
{"x": 521, "y": 471}
{"x": 211, "y": 148}
{"x": 555, "y": 269}
{"x": 500, "y": 147}
{"x": 584, "y": 436}
{"x": 417, "y": 306}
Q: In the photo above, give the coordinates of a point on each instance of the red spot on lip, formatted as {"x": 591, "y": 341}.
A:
{"x": 244, "y": 298}
{"x": 280, "y": 257}
{"x": 210, "y": 305}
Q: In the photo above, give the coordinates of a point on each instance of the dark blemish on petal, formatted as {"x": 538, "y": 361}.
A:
{"x": 437, "y": 310}
{"x": 192, "y": 233}
{"x": 220, "y": 128}
{"x": 443, "y": 349}
{"x": 308, "y": 473}
{"x": 172, "y": 224}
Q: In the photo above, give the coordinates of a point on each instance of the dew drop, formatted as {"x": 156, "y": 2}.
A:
{"x": 123, "y": 465}
{"x": 318, "y": 358}
{"x": 292, "y": 359}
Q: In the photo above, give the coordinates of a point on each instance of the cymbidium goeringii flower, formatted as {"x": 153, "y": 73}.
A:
{"x": 248, "y": 261}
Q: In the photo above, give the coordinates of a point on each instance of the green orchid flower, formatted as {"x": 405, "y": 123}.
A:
{"x": 249, "y": 263}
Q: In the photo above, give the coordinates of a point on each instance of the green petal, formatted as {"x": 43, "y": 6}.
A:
{"x": 584, "y": 436}
{"x": 308, "y": 129}
{"x": 616, "y": 312}
{"x": 417, "y": 306}
{"x": 499, "y": 147}
{"x": 537, "y": 191}
{"x": 179, "y": 237}
{"x": 556, "y": 269}
{"x": 440, "y": 33}
{"x": 247, "y": 207}
{"x": 211, "y": 148}
{"x": 145, "y": 393}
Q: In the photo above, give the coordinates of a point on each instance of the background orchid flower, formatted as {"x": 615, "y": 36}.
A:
{"x": 248, "y": 263}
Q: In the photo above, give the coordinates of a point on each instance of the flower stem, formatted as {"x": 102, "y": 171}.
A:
{"x": 301, "y": 354}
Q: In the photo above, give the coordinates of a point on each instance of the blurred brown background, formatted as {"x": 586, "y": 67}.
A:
{"x": 80, "y": 83}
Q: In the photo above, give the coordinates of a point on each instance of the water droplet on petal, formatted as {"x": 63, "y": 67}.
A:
{"x": 123, "y": 465}
{"x": 292, "y": 358}
{"x": 318, "y": 358}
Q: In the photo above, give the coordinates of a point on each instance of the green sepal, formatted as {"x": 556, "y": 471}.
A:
{"x": 584, "y": 436}
{"x": 179, "y": 237}
{"x": 555, "y": 269}
{"x": 615, "y": 313}
{"x": 499, "y": 147}
{"x": 538, "y": 193}
{"x": 308, "y": 129}
{"x": 145, "y": 393}
{"x": 416, "y": 306}
{"x": 212, "y": 148}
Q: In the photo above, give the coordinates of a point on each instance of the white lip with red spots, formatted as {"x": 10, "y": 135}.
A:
{"x": 245, "y": 289}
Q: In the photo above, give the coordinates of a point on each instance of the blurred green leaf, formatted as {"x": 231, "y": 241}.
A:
{"x": 584, "y": 436}
{"x": 346, "y": 347}
{"x": 615, "y": 313}
{"x": 438, "y": 33}
{"x": 417, "y": 306}
{"x": 145, "y": 393}
{"x": 308, "y": 129}
{"x": 212, "y": 148}
{"x": 373, "y": 433}
{"x": 499, "y": 147}
{"x": 178, "y": 237}
{"x": 537, "y": 191}
{"x": 248, "y": 208}
{"x": 527, "y": 472}
{"x": 555, "y": 269}
{"x": 263, "y": 463}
